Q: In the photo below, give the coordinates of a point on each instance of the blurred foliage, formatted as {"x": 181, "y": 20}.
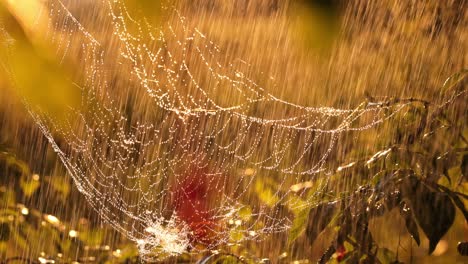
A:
{"x": 151, "y": 10}
{"x": 422, "y": 175}
{"x": 27, "y": 231}
{"x": 317, "y": 23}
{"x": 32, "y": 63}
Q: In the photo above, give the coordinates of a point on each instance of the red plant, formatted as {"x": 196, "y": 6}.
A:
{"x": 340, "y": 253}
{"x": 195, "y": 195}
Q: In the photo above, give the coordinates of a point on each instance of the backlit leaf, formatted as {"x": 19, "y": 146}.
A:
{"x": 318, "y": 219}
{"x": 434, "y": 211}
{"x": 411, "y": 226}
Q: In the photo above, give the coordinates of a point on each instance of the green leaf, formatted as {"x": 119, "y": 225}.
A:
{"x": 245, "y": 213}
{"x": 411, "y": 226}
{"x": 312, "y": 221}
{"x": 386, "y": 256}
{"x": 29, "y": 186}
{"x": 298, "y": 226}
{"x": 92, "y": 237}
{"x": 236, "y": 235}
{"x": 454, "y": 173}
{"x": 434, "y": 211}
{"x": 39, "y": 77}
{"x": 318, "y": 219}
{"x": 266, "y": 194}
{"x": 316, "y": 25}
{"x": 128, "y": 252}
{"x": 459, "y": 203}
{"x": 56, "y": 92}
{"x": 60, "y": 184}
{"x": 15, "y": 163}
{"x": 149, "y": 9}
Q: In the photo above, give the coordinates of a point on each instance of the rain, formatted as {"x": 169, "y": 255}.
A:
{"x": 249, "y": 131}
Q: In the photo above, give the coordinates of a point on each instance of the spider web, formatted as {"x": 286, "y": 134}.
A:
{"x": 171, "y": 139}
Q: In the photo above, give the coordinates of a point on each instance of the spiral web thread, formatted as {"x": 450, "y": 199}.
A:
{"x": 152, "y": 122}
